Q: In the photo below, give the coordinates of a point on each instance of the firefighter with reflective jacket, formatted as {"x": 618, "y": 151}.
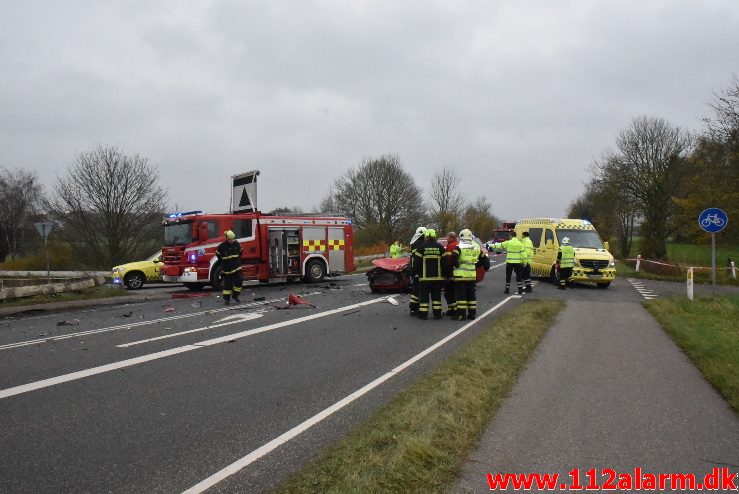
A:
{"x": 229, "y": 254}
{"x": 415, "y": 242}
{"x": 466, "y": 257}
{"x": 528, "y": 250}
{"x": 396, "y": 249}
{"x": 514, "y": 261}
{"x": 427, "y": 265}
{"x": 566, "y": 258}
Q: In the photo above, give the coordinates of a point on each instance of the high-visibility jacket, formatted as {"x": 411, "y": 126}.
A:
{"x": 229, "y": 254}
{"x": 566, "y": 256}
{"x": 514, "y": 250}
{"x": 466, "y": 256}
{"x": 528, "y": 249}
{"x": 427, "y": 261}
{"x": 396, "y": 250}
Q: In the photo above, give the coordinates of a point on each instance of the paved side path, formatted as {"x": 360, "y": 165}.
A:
{"x": 607, "y": 388}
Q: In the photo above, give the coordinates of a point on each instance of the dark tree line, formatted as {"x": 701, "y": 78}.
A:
{"x": 107, "y": 208}
{"x": 660, "y": 177}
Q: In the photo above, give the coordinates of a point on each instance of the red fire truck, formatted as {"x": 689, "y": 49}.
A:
{"x": 275, "y": 248}
{"x": 501, "y": 233}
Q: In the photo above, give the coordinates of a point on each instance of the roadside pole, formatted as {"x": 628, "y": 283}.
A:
{"x": 713, "y": 220}
{"x": 690, "y": 283}
{"x": 44, "y": 228}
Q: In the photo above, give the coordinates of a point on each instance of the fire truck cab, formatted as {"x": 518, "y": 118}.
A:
{"x": 275, "y": 248}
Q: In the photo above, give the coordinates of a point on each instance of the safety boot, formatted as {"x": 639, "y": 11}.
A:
{"x": 506, "y": 291}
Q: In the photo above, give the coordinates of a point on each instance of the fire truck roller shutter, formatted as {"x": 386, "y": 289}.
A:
{"x": 336, "y": 249}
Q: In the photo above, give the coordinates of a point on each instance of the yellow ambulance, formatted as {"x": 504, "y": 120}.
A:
{"x": 593, "y": 262}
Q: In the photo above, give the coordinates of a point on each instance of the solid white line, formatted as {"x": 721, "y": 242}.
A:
{"x": 360, "y": 284}
{"x": 300, "y": 428}
{"x": 237, "y": 318}
{"x": 25, "y": 388}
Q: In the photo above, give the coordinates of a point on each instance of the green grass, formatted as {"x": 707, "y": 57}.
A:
{"x": 707, "y": 331}
{"x": 419, "y": 441}
{"x": 95, "y": 292}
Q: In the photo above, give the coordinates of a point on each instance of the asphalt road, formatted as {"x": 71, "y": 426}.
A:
{"x": 162, "y": 395}
{"x": 81, "y": 412}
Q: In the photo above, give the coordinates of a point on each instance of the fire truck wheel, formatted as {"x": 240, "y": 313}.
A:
{"x": 314, "y": 271}
{"x": 134, "y": 280}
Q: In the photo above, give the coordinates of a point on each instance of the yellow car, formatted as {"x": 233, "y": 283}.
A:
{"x": 135, "y": 274}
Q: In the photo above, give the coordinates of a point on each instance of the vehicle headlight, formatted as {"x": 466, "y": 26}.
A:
{"x": 612, "y": 263}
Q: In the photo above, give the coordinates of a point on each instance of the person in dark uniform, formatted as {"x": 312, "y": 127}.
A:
{"x": 428, "y": 268}
{"x": 229, "y": 254}
{"x": 449, "y": 290}
{"x": 415, "y": 242}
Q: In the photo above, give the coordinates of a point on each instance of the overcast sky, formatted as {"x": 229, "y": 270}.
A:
{"x": 518, "y": 97}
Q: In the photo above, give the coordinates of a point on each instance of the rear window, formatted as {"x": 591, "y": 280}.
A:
{"x": 535, "y": 236}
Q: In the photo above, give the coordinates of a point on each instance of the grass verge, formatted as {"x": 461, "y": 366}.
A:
{"x": 707, "y": 331}
{"x": 418, "y": 441}
{"x": 94, "y": 292}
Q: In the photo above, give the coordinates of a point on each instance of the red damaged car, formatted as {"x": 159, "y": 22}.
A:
{"x": 392, "y": 275}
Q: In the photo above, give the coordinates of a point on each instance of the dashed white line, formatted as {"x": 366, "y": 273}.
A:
{"x": 142, "y": 323}
{"x": 236, "y": 318}
{"x": 25, "y": 388}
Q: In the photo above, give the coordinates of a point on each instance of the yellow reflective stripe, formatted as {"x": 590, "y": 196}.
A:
{"x": 223, "y": 258}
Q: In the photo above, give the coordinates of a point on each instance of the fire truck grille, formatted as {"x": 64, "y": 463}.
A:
{"x": 172, "y": 258}
{"x": 593, "y": 264}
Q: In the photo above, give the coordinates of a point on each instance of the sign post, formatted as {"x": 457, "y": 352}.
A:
{"x": 690, "y": 283}
{"x": 44, "y": 228}
{"x": 713, "y": 220}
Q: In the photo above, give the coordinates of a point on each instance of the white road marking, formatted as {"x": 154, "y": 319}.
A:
{"x": 236, "y": 318}
{"x": 643, "y": 291}
{"x": 360, "y": 284}
{"x": 25, "y": 388}
{"x": 302, "y": 427}
{"x": 142, "y": 323}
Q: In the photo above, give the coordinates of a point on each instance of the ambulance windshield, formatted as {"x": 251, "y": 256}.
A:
{"x": 587, "y": 239}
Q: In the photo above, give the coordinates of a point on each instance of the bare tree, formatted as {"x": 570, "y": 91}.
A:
{"x": 447, "y": 204}
{"x": 479, "y": 218}
{"x": 381, "y": 197}
{"x": 110, "y": 206}
{"x": 20, "y": 195}
{"x": 723, "y": 126}
{"x": 649, "y": 169}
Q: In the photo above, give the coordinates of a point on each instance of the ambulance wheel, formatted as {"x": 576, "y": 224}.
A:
{"x": 134, "y": 280}
{"x": 195, "y": 287}
{"x": 315, "y": 270}
{"x": 215, "y": 279}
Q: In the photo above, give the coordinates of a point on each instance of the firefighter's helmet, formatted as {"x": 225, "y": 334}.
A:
{"x": 566, "y": 241}
{"x": 230, "y": 234}
{"x": 420, "y": 230}
{"x": 430, "y": 233}
{"x": 465, "y": 234}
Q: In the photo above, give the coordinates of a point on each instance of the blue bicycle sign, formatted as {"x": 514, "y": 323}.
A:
{"x": 713, "y": 220}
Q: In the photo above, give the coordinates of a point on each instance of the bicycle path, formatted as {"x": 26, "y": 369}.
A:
{"x": 606, "y": 388}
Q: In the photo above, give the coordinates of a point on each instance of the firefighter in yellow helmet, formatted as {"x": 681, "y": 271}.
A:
{"x": 229, "y": 256}
{"x": 466, "y": 257}
{"x": 566, "y": 258}
{"x": 427, "y": 265}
